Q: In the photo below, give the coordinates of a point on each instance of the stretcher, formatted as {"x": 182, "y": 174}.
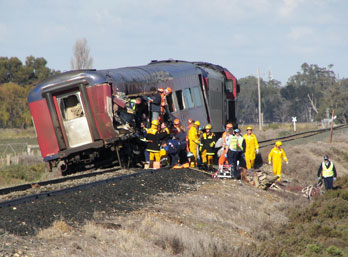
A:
{"x": 224, "y": 171}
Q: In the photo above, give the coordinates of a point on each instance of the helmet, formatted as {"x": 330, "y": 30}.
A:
{"x": 326, "y": 158}
{"x": 236, "y": 131}
{"x": 229, "y": 125}
{"x": 169, "y": 90}
{"x": 278, "y": 143}
{"x": 197, "y": 123}
{"x": 208, "y": 126}
{"x": 176, "y": 122}
{"x": 190, "y": 121}
{"x": 155, "y": 122}
{"x": 160, "y": 89}
{"x": 249, "y": 128}
{"x": 163, "y": 152}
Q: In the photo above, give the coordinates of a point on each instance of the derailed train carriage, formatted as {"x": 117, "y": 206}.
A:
{"x": 82, "y": 117}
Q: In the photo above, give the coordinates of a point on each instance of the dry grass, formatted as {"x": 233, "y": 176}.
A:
{"x": 220, "y": 218}
{"x": 58, "y": 229}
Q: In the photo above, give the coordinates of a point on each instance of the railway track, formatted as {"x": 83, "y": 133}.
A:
{"x": 271, "y": 142}
{"x": 45, "y": 194}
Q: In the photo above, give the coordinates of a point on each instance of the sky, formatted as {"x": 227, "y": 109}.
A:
{"x": 274, "y": 36}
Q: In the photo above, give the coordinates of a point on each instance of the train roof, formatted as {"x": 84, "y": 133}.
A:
{"x": 156, "y": 70}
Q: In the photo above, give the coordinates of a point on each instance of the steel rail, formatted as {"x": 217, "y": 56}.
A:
{"x": 30, "y": 198}
{"x": 300, "y": 135}
{"x": 23, "y": 187}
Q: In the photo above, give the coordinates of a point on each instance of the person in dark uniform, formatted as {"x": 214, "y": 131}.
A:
{"x": 327, "y": 171}
{"x": 155, "y": 102}
{"x": 153, "y": 138}
{"x": 172, "y": 149}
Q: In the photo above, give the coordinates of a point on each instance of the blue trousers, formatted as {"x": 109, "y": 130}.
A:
{"x": 328, "y": 182}
{"x": 232, "y": 160}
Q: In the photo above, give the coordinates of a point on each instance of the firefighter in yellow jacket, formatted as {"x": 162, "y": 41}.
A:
{"x": 207, "y": 148}
{"x": 193, "y": 139}
{"x": 275, "y": 156}
{"x": 252, "y": 147}
{"x": 154, "y": 137}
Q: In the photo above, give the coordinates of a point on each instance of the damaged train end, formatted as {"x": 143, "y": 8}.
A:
{"x": 75, "y": 122}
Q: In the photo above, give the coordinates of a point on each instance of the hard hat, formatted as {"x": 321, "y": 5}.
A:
{"x": 176, "y": 122}
{"x": 155, "y": 122}
{"x": 229, "y": 125}
{"x": 197, "y": 123}
{"x": 169, "y": 90}
{"x": 236, "y": 131}
{"x": 160, "y": 89}
{"x": 249, "y": 128}
{"x": 208, "y": 126}
{"x": 278, "y": 143}
{"x": 190, "y": 120}
{"x": 326, "y": 158}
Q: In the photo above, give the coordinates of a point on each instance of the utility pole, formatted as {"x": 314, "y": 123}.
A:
{"x": 259, "y": 98}
{"x": 332, "y": 121}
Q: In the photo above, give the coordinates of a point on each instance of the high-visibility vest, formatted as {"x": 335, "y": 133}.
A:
{"x": 327, "y": 171}
{"x": 233, "y": 143}
{"x": 240, "y": 143}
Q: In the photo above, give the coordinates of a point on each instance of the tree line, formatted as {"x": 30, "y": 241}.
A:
{"x": 310, "y": 95}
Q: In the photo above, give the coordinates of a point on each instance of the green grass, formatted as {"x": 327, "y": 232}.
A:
{"x": 16, "y": 174}
{"x": 318, "y": 230}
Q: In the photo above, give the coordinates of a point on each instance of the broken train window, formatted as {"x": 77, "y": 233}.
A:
{"x": 71, "y": 107}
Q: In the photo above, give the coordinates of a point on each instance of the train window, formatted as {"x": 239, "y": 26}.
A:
{"x": 196, "y": 94}
{"x": 170, "y": 103}
{"x": 179, "y": 98}
{"x": 229, "y": 86}
{"x": 188, "y": 98}
{"x": 71, "y": 108}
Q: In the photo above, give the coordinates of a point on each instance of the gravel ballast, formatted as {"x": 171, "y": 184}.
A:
{"x": 115, "y": 198}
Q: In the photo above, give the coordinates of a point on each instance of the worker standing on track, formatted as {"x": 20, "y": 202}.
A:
{"x": 193, "y": 139}
{"x": 154, "y": 137}
{"x": 225, "y": 135}
{"x": 275, "y": 156}
{"x": 327, "y": 171}
{"x": 208, "y": 151}
{"x": 251, "y": 149}
{"x": 240, "y": 148}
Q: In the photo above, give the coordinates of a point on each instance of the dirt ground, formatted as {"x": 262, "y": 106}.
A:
{"x": 198, "y": 216}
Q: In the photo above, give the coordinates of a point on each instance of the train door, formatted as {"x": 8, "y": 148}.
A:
{"x": 74, "y": 119}
{"x": 216, "y": 102}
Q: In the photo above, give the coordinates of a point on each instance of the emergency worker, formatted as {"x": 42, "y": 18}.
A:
{"x": 194, "y": 142}
{"x": 207, "y": 148}
{"x": 180, "y": 136}
{"x": 155, "y": 102}
{"x": 165, "y": 129}
{"x": 275, "y": 156}
{"x": 251, "y": 148}
{"x": 153, "y": 138}
{"x": 225, "y": 135}
{"x": 164, "y": 93}
{"x": 240, "y": 148}
{"x": 327, "y": 171}
{"x": 232, "y": 153}
{"x": 172, "y": 149}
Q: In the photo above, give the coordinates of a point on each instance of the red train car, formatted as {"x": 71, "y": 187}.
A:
{"x": 79, "y": 116}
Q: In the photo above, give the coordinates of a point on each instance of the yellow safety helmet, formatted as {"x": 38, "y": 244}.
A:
{"x": 155, "y": 122}
{"x": 278, "y": 143}
{"x": 163, "y": 152}
{"x": 197, "y": 123}
{"x": 249, "y": 128}
{"x": 208, "y": 126}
